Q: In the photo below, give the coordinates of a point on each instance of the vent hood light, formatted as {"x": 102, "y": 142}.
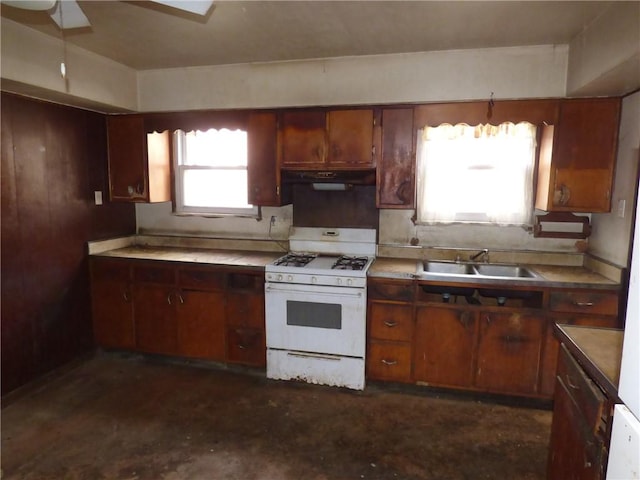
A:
{"x": 332, "y": 186}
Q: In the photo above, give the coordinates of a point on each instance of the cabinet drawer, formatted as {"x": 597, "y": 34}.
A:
{"x": 247, "y": 346}
{"x": 584, "y": 302}
{"x": 154, "y": 274}
{"x": 390, "y": 321}
{"x": 110, "y": 269}
{"x": 247, "y": 281}
{"x": 584, "y": 392}
{"x": 398, "y": 291}
{"x": 389, "y": 361}
{"x": 245, "y": 310}
{"x": 201, "y": 279}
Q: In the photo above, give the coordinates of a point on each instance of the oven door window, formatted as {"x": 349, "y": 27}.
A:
{"x": 315, "y": 315}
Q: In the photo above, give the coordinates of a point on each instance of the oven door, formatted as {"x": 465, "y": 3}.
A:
{"x": 314, "y": 318}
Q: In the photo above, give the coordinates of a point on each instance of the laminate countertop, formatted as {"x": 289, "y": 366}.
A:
{"x": 598, "y": 350}
{"x": 234, "y": 258}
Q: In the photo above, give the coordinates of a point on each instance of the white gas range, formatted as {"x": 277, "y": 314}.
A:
{"x": 315, "y": 307}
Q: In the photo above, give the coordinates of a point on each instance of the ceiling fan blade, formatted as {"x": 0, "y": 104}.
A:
{"x": 199, "y": 7}
{"x": 68, "y": 14}
{"x": 30, "y": 4}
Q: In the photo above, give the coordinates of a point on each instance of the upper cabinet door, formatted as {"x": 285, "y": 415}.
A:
{"x": 396, "y": 168}
{"x": 577, "y": 157}
{"x": 304, "y": 138}
{"x": 319, "y": 139}
{"x": 263, "y": 171}
{"x": 139, "y": 163}
{"x": 351, "y": 138}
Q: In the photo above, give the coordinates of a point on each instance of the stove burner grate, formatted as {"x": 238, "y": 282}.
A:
{"x": 350, "y": 263}
{"x": 295, "y": 259}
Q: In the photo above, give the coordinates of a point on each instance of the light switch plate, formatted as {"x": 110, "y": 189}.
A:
{"x": 621, "y": 207}
{"x": 98, "y": 196}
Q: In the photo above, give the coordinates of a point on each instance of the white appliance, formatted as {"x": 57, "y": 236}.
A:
{"x": 315, "y": 307}
{"x": 624, "y": 451}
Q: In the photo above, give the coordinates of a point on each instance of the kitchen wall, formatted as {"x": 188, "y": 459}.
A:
{"x": 53, "y": 159}
{"x": 611, "y": 235}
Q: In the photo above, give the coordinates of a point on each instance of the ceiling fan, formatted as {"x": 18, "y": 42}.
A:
{"x": 67, "y": 13}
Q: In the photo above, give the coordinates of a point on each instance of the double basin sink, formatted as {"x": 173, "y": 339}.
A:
{"x": 485, "y": 273}
{"x": 474, "y": 269}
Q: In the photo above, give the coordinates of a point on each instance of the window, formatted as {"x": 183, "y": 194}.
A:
{"x": 476, "y": 174}
{"x": 211, "y": 172}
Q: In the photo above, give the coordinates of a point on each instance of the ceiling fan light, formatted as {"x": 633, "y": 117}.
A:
{"x": 199, "y": 7}
{"x": 31, "y": 4}
{"x": 68, "y": 14}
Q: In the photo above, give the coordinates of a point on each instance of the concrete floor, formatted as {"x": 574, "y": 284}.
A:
{"x": 119, "y": 416}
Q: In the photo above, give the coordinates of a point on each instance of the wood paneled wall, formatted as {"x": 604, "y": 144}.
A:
{"x": 53, "y": 158}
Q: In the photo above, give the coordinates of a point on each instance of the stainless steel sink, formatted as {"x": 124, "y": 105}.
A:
{"x": 505, "y": 271}
{"x": 446, "y": 268}
{"x": 476, "y": 269}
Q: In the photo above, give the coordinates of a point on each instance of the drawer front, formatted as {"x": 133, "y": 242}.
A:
{"x": 247, "y": 281}
{"x": 110, "y": 269}
{"x": 246, "y": 346}
{"x": 390, "y": 321}
{"x": 399, "y": 291}
{"x": 201, "y": 279}
{"x": 245, "y": 310}
{"x": 585, "y": 393}
{"x": 389, "y": 361}
{"x": 585, "y": 302}
{"x": 154, "y": 274}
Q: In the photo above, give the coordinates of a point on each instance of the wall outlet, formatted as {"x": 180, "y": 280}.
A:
{"x": 98, "y": 197}
{"x": 621, "y": 206}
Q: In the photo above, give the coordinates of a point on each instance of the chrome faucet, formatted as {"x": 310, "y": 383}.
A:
{"x": 484, "y": 253}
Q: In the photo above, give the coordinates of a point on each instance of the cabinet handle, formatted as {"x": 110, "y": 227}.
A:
{"x": 488, "y": 319}
{"x": 583, "y": 304}
{"x": 241, "y": 347}
{"x": 180, "y": 298}
{"x": 565, "y": 194}
{"x": 571, "y": 385}
{"x": 390, "y": 323}
{"x": 169, "y": 298}
{"x": 389, "y": 362}
{"x": 125, "y": 296}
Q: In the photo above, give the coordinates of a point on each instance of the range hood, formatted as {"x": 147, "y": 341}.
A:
{"x": 330, "y": 179}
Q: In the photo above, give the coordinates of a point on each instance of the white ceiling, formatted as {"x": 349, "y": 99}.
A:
{"x": 144, "y": 35}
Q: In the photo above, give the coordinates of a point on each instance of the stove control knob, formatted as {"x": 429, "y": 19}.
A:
{"x": 314, "y": 280}
{"x": 349, "y": 282}
{"x": 339, "y": 281}
{"x": 279, "y": 278}
{"x": 289, "y": 278}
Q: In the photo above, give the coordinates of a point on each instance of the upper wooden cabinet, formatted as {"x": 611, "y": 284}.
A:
{"x": 263, "y": 169}
{"x": 139, "y": 163}
{"x": 319, "y": 139}
{"x": 396, "y": 167}
{"x": 577, "y": 157}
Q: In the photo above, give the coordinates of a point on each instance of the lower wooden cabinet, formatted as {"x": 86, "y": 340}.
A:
{"x": 445, "y": 346}
{"x": 391, "y": 331}
{"x": 201, "y": 323}
{"x": 205, "y": 312}
{"x": 112, "y": 304}
{"x": 509, "y": 351}
{"x": 577, "y": 447}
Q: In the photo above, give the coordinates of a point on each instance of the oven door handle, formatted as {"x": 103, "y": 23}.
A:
{"x": 318, "y": 356}
{"x": 312, "y": 292}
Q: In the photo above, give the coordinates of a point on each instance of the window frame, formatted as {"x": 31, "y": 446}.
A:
{"x": 178, "y": 151}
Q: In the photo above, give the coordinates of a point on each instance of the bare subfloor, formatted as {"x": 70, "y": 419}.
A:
{"x": 131, "y": 417}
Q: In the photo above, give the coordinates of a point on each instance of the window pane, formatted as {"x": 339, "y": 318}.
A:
{"x": 216, "y": 148}
{"x": 215, "y": 188}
